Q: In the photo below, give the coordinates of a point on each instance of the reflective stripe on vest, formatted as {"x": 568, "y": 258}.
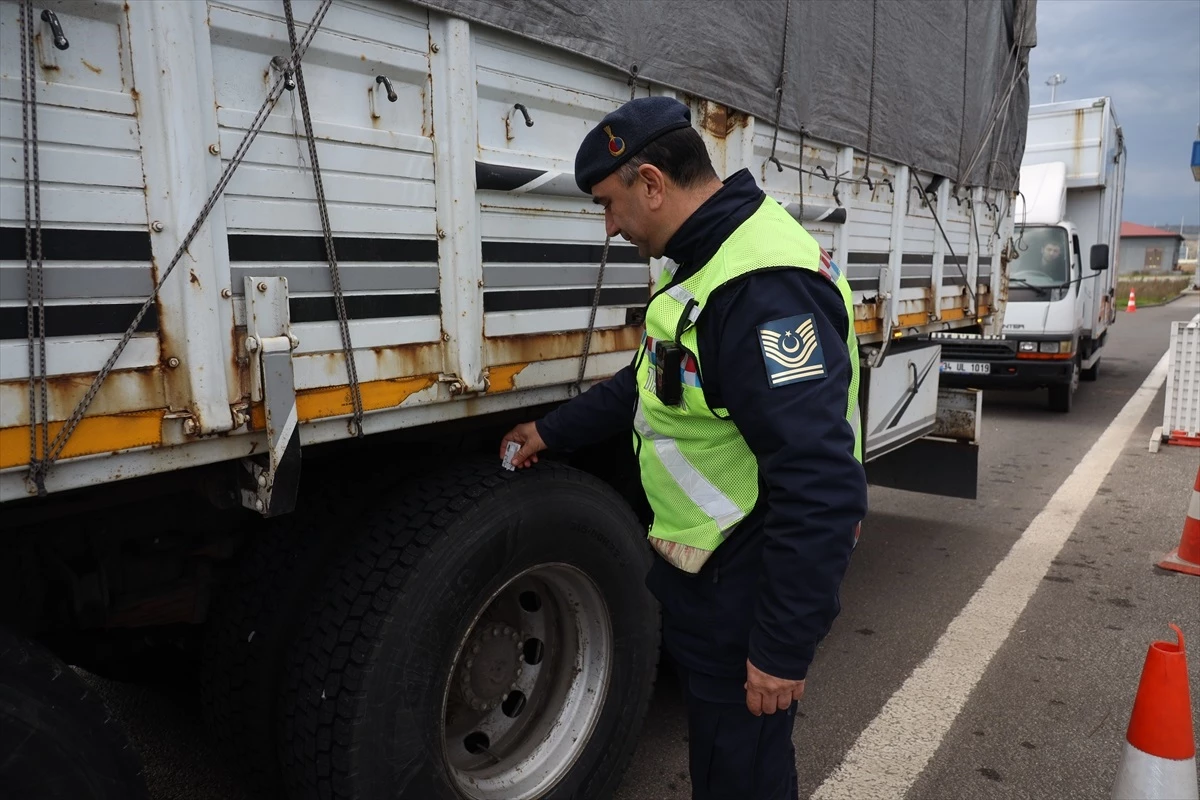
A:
{"x": 700, "y": 476}
{"x": 709, "y": 498}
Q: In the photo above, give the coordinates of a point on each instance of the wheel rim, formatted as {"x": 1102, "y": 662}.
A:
{"x": 527, "y": 684}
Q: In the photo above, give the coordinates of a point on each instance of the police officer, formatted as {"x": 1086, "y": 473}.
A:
{"x": 742, "y": 403}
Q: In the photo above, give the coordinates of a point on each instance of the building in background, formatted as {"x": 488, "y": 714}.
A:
{"x": 1146, "y": 249}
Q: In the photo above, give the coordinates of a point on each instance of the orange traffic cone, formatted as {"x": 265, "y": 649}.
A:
{"x": 1132, "y": 307}
{"x": 1186, "y": 557}
{"x": 1159, "y": 760}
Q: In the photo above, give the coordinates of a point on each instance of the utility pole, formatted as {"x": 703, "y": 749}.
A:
{"x": 1054, "y": 81}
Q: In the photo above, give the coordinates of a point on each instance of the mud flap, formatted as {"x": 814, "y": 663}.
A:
{"x": 944, "y": 463}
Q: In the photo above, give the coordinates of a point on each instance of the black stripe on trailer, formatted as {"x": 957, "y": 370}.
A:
{"x": 832, "y": 215}
{"x": 952, "y": 261}
{"x": 365, "y": 306}
{"x": 959, "y": 280}
{"x": 501, "y": 178}
{"x": 835, "y": 215}
{"x": 72, "y": 244}
{"x": 272, "y": 248}
{"x": 78, "y": 244}
{"x": 557, "y": 253}
{"x": 96, "y": 319}
{"x": 543, "y": 299}
{"x": 864, "y": 284}
{"x": 882, "y": 259}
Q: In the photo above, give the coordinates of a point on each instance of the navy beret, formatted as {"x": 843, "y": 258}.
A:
{"x": 623, "y": 133}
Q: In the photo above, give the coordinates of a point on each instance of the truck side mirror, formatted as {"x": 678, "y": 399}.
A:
{"x": 1099, "y": 257}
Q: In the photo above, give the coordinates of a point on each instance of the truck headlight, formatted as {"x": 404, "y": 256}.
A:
{"x": 1055, "y": 347}
{"x": 1028, "y": 347}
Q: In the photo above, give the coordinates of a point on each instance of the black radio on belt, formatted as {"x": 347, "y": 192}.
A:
{"x": 668, "y": 360}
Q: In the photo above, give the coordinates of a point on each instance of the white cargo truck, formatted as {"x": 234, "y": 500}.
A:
{"x": 1062, "y": 283}
{"x": 272, "y": 289}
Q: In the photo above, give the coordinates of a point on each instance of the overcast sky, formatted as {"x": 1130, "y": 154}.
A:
{"x": 1145, "y": 54}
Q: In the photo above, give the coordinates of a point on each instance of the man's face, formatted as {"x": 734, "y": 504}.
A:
{"x": 631, "y": 211}
{"x": 1050, "y": 253}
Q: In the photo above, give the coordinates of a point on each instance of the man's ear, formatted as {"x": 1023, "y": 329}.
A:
{"x": 654, "y": 185}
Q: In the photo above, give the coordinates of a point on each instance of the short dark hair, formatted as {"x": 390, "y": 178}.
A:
{"x": 680, "y": 154}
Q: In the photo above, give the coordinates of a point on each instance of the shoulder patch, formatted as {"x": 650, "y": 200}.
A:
{"x": 792, "y": 350}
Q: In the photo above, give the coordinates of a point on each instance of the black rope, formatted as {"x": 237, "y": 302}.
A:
{"x": 962, "y": 120}
{"x": 577, "y": 387}
{"x": 787, "y": 15}
{"x": 871, "y": 91}
{"x": 996, "y": 110}
{"x": 820, "y": 172}
{"x": 800, "y": 173}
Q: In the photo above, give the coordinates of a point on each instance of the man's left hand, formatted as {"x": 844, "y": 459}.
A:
{"x": 766, "y": 694}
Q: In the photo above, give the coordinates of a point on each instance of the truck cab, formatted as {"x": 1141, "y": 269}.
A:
{"x": 1061, "y": 280}
{"x": 1046, "y": 313}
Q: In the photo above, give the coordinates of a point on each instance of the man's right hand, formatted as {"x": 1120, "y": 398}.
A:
{"x": 526, "y": 434}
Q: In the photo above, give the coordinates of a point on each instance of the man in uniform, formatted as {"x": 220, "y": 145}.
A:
{"x": 742, "y": 403}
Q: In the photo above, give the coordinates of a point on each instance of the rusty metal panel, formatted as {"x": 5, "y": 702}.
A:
{"x": 959, "y": 415}
{"x": 96, "y": 237}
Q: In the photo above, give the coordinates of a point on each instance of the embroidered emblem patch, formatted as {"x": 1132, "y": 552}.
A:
{"x": 616, "y": 145}
{"x": 792, "y": 350}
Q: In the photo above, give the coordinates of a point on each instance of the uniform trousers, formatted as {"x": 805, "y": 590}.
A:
{"x": 706, "y": 622}
{"x": 732, "y": 754}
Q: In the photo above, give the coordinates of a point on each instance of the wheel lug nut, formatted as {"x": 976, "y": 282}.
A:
{"x": 516, "y": 637}
{"x": 470, "y": 663}
{"x": 496, "y": 631}
{"x": 475, "y": 649}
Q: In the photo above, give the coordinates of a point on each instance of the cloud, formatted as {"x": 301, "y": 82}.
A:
{"x": 1145, "y": 55}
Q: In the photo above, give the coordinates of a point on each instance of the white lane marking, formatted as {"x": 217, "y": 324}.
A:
{"x": 894, "y": 749}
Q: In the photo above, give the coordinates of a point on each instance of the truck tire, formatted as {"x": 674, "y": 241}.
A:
{"x": 57, "y": 738}
{"x": 1062, "y": 396}
{"x": 255, "y": 615}
{"x": 490, "y": 638}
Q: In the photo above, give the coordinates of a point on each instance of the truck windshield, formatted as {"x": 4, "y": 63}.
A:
{"x": 1044, "y": 257}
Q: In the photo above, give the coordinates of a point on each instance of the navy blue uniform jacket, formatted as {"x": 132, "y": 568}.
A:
{"x": 769, "y": 592}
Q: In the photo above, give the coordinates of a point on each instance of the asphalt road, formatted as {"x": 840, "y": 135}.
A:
{"x": 1047, "y": 715}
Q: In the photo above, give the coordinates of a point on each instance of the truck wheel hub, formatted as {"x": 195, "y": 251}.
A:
{"x": 492, "y": 667}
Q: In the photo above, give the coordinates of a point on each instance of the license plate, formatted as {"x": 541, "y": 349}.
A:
{"x": 967, "y": 367}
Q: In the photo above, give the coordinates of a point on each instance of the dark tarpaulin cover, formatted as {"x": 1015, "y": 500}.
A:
{"x": 910, "y": 104}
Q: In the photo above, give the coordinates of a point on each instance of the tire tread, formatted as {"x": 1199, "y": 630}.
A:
{"x": 336, "y": 642}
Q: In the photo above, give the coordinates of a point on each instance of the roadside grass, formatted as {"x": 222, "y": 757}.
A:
{"x": 1151, "y": 290}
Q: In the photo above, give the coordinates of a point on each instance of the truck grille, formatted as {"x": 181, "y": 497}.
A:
{"x": 978, "y": 349}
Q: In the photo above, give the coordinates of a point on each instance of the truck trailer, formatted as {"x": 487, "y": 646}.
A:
{"x": 275, "y": 278}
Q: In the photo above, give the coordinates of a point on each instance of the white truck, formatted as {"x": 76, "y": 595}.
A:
{"x": 1061, "y": 285}
{"x": 274, "y": 281}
